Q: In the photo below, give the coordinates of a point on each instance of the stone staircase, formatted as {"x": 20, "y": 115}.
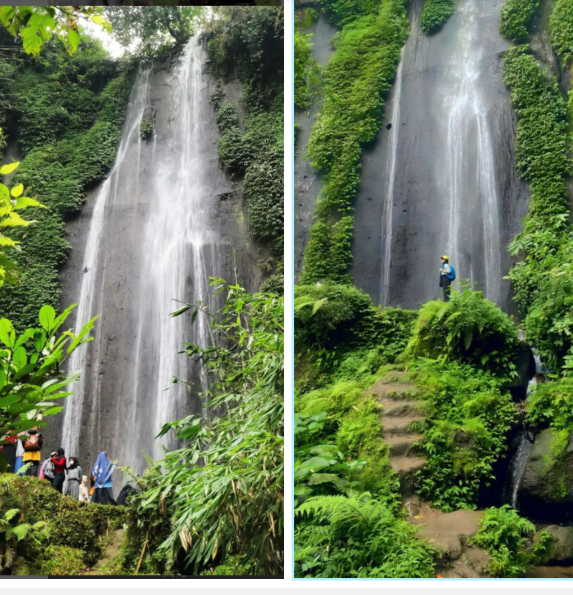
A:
{"x": 400, "y": 410}
{"x": 448, "y": 532}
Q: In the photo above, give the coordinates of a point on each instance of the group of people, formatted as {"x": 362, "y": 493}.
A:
{"x": 64, "y": 474}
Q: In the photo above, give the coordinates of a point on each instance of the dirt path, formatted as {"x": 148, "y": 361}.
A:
{"x": 110, "y": 553}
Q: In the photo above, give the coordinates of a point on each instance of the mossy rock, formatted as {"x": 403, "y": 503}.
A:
{"x": 60, "y": 560}
{"x": 548, "y": 475}
{"x": 77, "y": 531}
{"x": 560, "y": 549}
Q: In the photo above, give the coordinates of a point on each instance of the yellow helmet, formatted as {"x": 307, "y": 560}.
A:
{"x": 444, "y": 257}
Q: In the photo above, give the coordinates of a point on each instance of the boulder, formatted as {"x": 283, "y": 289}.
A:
{"x": 548, "y": 477}
{"x": 560, "y": 550}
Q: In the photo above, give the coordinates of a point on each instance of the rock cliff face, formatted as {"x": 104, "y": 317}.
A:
{"x": 165, "y": 220}
{"x": 441, "y": 177}
{"x": 306, "y": 179}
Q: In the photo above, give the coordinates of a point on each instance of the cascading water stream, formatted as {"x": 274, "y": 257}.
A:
{"x": 153, "y": 240}
{"x": 469, "y": 172}
{"x": 524, "y": 444}
{"x": 441, "y": 179}
{"x": 389, "y": 198}
{"x": 88, "y": 293}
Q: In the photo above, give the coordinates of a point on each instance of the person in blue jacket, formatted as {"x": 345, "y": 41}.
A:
{"x": 447, "y": 275}
{"x": 101, "y": 472}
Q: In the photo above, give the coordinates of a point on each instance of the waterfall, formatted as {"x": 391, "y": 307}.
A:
{"x": 87, "y": 301}
{"x": 518, "y": 465}
{"x": 469, "y": 172}
{"x": 441, "y": 179}
{"x": 153, "y": 240}
{"x": 389, "y": 199}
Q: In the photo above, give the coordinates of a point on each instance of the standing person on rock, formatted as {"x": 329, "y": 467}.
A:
{"x": 102, "y": 470}
{"x": 59, "y": 469}
{"x": 47, "y": 469}
{"x": 32, "y": 451}
{"x": 447, "y": 275}
{"x": 73, "y": 479}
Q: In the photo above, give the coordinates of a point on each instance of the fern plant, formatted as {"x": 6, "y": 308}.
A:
{"x": 339, "y": 537}
{"x": 504, "y": 534}
{"x": 11, "y": 534}
{"x": 469, "y": 328}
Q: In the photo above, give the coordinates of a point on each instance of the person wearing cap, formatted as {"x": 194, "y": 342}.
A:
{"x": 445, "y": 277}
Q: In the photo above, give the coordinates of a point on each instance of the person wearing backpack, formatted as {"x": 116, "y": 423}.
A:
{"x": 447, "y": 275}
{"x": 32, "y": 454}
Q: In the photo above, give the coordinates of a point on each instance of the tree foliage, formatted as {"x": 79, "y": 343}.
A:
{"x": 68, "y": 111}
{"x": 30, "y": 377}
{"x": 36, "y": 25}
{"x": 11, "y": 201}
{"x": 150, "y": 30}
{"x": 224, "y": 488}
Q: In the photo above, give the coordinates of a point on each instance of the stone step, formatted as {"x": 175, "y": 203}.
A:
{"x": 400, "y": 408}
{"x": 404, "y": 465}
{"x": 395, "y": 391}
{"x": 405, "y": 445}
{"x": 399, "y": 426}
{"x": 406, "y": 469}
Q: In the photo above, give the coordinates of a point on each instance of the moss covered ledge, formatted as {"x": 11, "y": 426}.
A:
{"x": 55, "y": 534}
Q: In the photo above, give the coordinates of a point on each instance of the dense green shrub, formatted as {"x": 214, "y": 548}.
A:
{"x": 328, "y": 252}
{"x": 504, "y": 535}
{"x": 69, "y": 119}
{"x": 468, "y": 417}
{"x": 306, "y": 70}
{"x": 551, "y": 404}
{"x": 146, "y": 129}
{"x": 342, "y": 460}
{"x": 339, "y": 537}
{"x": 70, "y": 524}
{"x": 352, "y": 424}
{"x": 436, "y": 13}
{"x": 542, "y": 161}
{"x": 275, "y": 284}
{"x": 561, "y": 26}
{"x": 341, "y": 12}
{"x": 340, "y": 318}
{"x": 61, "y": 560}
{"x": 356, "y": 81}
{"x": 469, "y": 329}
{"x": 517, "y": 16}
{"x": 549, "y": 322}
{"x": 248, "y": 43}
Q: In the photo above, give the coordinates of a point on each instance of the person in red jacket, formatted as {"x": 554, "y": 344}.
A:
{"x": 59, "y": 469}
